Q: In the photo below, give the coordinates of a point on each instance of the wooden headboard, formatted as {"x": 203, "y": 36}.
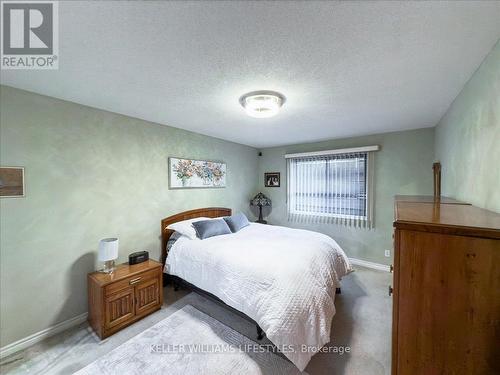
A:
{"x": 199, "y": 212}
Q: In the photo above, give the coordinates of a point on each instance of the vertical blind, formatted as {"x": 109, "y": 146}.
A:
{"x": 330, "y": 188}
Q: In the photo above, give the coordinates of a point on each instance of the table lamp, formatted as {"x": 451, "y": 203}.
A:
{"x": 260, "y": 200}
{"x": 108, "y": 252}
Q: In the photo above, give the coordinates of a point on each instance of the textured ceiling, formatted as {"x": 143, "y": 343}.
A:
{"x": 346, "y": 68}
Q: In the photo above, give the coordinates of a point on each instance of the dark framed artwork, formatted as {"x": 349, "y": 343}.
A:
{"x": 11, "y": 182}
{"x": 272, "y": 179}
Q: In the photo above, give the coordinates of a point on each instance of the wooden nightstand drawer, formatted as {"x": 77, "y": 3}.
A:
{"x": 147, "y": 296}
{"x": 119, "y": 308}
{"x": 125, "y": 296}
{"x": 131, "y": 281}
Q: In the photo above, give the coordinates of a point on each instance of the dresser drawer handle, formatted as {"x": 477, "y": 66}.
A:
{"x": 135, "y": 281}
{"x": 391, "y": 268}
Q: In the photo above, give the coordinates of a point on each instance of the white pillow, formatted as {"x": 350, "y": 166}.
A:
{"x": 185, "y": 228}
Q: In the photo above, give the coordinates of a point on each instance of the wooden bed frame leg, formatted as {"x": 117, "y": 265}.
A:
{"x": 338, "y": 291}
{"x": 260, "y": 333}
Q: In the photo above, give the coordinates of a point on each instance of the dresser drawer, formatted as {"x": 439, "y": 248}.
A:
{"x": 130, "y": 281}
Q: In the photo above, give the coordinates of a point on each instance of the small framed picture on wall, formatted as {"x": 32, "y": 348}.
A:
{"x": 272, "y": 179}
{"x": 11, "y": 182}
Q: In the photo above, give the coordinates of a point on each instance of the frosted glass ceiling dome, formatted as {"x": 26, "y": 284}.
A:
{"x": 262, "y": 104}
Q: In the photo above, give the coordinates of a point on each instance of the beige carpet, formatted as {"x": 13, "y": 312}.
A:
{"x": 362, "y": 323}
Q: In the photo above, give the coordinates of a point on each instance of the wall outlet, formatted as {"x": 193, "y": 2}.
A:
{"x": 387, "y": 253}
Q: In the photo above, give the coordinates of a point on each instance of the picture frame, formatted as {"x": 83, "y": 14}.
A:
{"x": 272, "y": 179}
{"x": 196, "y": 174}
{"x": 12, "y": 182}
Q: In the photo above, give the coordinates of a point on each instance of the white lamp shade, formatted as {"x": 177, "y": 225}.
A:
{"x": 108, "y": 249}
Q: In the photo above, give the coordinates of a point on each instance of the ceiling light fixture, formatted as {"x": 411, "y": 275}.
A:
{"x": 262, "y": 104}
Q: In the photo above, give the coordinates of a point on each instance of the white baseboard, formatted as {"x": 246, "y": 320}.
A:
{"x": 39, "y": 336}
{"x": 372, "y": 265}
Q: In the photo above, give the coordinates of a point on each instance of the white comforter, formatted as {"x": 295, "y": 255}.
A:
{"x": 282, "y": 278}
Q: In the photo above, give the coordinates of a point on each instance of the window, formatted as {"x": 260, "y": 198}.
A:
{"x": 331, "y": 185}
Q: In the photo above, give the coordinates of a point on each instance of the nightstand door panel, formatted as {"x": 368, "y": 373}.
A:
{"x": 119, "y": 308}
{"x": 148, "y": 296}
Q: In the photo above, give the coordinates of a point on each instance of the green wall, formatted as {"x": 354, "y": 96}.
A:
{"x": 90, "y": 174}
{"x": 468, "y": 139}
{"x": 402, "y": 166}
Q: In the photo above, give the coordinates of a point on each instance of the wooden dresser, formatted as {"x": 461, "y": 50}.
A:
{"x": 446, "y": 308}
{"x": 119, "y": 299}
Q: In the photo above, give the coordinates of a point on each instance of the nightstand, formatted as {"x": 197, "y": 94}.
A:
{"x": 128, "y": 294}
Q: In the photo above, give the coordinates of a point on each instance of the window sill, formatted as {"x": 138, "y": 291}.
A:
{"x": 336, "y": 216}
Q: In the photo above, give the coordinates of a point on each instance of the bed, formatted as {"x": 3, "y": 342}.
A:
{"x": 283, "y": 279}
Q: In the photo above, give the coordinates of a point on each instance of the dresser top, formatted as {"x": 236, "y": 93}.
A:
{"x": 427, "y": 199}
{"x": 123, "y": 271}
{"x": 447, "y": 218}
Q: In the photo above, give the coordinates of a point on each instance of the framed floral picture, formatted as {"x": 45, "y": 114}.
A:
{"x": 190, "y": 173}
